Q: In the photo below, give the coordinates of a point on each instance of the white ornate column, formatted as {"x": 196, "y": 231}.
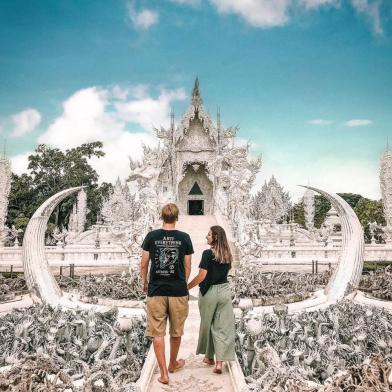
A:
{"x": 82, "y": 210}
{"x": 5, "y": 187}
{"x": 309, "y": 209}
{"x": 386, "y": 192}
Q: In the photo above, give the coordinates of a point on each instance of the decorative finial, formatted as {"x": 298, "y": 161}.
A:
{"x": 196, "y": 96}
{"x": 172, "y": 118}
{"x": 4, "y": 147}
{"x": 218, "y": 118}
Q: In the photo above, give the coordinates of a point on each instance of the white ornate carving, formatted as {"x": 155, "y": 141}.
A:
{"x": 82, "y": 210}
{"x": 198, "y": 151}
{"x": 309, "y": 209}
{"x": 271, "y": 203}
{"x": 386, "y": 192}
{"x": 120, "y": 207}
{"x": 37, "y": 274}
{"x": 347, "y": 274}
{"x": 5, "y": 187}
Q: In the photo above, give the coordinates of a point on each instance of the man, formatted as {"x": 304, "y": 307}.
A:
{"x": 170, "y": 253}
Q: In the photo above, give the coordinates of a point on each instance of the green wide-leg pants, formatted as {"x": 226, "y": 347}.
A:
{"x": 216, "y": 335}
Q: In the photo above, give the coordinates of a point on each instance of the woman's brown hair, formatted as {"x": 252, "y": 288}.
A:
{"x": 220, "y": 247}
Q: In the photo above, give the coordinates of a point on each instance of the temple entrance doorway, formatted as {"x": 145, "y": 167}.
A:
{"x": 195, "y": 190}
{"x": 195, "y": 207}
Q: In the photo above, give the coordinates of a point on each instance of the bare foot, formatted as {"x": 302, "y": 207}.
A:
{"x": 179, "y": 365}
{"x": 218, "y": 367}
{"x": 163, "y": 380}
{"x": 208, "y": 361}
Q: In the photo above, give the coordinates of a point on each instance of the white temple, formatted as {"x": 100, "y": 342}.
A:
{"x": 197, "y": 164}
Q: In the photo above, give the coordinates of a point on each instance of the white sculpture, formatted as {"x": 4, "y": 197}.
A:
{"x": 197, "y": 166}
{"x": 271, "y": 203}
{"x": 347, "y": 274}
{"x": 78, "y": 217}
{"x": 386, "y": 192}
{"x": 5, "y": 187}
{"x": 38, "y": 277}
{"x": 82, "y": 210}
{"x": 120, "y": 207}
{"x": 60, "y": 235}
{"x": 309, "y": 209}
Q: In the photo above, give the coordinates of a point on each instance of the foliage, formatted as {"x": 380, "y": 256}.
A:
{"x": 351, "y": 198}
{"x": 367, "y": 210}
{"x": 321, "y": 206}
{"x": 298, "y": 213}
{"x": 52, "y": 170}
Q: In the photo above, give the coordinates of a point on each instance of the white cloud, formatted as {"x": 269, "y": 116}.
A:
{"x": 149, "y": 112}
{"x": 371, "y": 10}
{"x": 257, "y": 13}
{"x": 187, "y": 2}
{"x": 311, "y": 4}
{"x": 358, "y": 123}
{"x": 24, "y": 122}
{"x": 320, "y": 121}
{"x": 331, "y": 174}
{"x": 143, "y": 19}
{"x": 20, "y": 162}
{"x": 273, "y": 13}
{"x": 93, "y": 114}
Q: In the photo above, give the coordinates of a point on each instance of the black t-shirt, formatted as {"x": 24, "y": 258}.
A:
{"x": 167, "y": 252}
{"x": 216, "y": 272}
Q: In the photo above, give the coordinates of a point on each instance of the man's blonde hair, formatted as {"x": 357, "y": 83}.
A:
{"x": 169, "y": 213}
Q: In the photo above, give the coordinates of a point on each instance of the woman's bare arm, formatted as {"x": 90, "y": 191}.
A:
{"x": 198, "y": 278}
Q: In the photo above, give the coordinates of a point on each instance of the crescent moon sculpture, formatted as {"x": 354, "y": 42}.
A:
{"x": 345, "y": 279}
{"x": 38, "y": 277}
{"x": 347, "y": 274}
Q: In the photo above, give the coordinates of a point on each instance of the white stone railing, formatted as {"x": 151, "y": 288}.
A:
{"x": 65, "y": 256}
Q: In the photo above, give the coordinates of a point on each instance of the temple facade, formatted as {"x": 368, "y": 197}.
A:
{"x": 196, "y": 164}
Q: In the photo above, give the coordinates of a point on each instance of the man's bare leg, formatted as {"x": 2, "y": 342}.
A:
{"x": 174, "y": 365}
{"x": 159, "y": 349}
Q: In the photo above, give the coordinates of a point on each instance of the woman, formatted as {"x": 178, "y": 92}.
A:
{"x": 216, "y": 335}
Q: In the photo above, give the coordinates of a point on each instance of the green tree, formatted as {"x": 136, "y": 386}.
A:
{"x": 351, "y": 198}
{"x": 369, "y": 211}
{"x": 21, "y": 201}
{"x": 52, "y": 170}
{"x": 298, "y": 213}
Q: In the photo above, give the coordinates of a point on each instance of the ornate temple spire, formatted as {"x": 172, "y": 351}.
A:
{"x": 309, "y": 209}
{"x": 82, "y": 210}
{"x": 197, "y": 100}
{"x": 5, "y": 187}
{"x": 386, "y": 184}
{"x": 172, "y": 118}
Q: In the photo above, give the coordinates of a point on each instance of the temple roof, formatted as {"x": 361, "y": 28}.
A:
{"x": 197, "y": 100}
{"x": 196, "y": 109}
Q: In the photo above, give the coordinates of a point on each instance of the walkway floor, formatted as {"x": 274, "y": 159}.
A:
{"x": 196, "y": 376}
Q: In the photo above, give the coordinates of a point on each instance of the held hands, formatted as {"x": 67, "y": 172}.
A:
{"x": 145, "y": 287}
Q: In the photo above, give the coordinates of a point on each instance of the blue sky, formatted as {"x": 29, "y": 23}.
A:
{"x": 309, "y": 82}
